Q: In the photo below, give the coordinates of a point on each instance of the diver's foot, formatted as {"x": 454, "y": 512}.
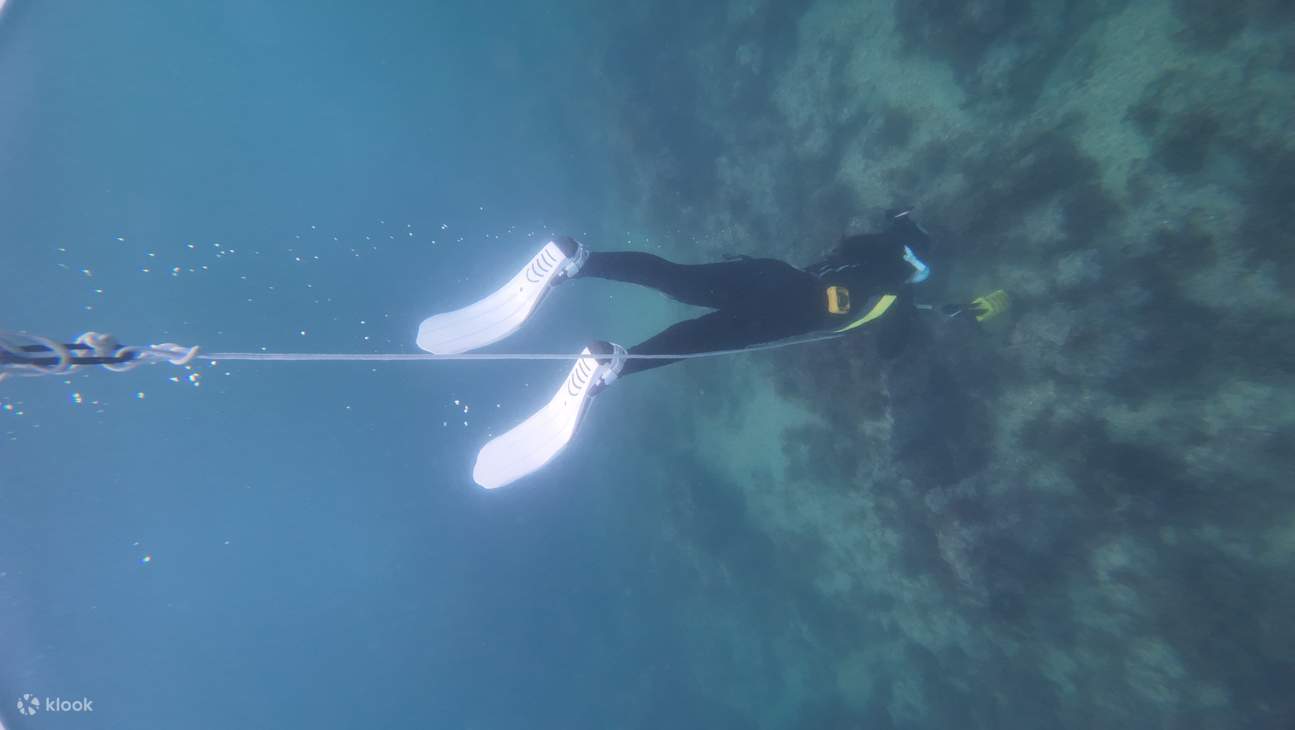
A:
{"x": 576, "y": 256}
{"x": 611, "y": 361}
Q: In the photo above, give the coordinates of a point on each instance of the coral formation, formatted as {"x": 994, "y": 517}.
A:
{"x": 1078, "y": 517}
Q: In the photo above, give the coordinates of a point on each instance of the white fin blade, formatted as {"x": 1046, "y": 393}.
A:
{"x": 537, "y": 440}
{"x": 498, "y": 315}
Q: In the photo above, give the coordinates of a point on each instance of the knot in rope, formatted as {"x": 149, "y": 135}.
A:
{"x": 173, "y": 353}
{"x": 130, "y": 358}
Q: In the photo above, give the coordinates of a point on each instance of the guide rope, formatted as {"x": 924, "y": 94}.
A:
{"x": 31, "y": 355}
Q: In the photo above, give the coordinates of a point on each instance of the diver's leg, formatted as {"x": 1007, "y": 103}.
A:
{"x": 691, "y": 284}
{"x": 728, "y": 284}
{"x": 722, "y": 330}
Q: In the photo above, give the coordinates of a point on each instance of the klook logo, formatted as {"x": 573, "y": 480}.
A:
{"x": 58, "y": 704}
{"x": 28, "y": 704}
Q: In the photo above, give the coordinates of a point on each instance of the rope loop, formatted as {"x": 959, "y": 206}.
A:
{"x": 15, "y": 346}
{"x": 30, "y": 355}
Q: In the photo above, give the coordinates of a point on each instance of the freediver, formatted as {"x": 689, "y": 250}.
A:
{"x": 866, "y": 280}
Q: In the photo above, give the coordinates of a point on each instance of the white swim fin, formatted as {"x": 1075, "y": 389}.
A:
{"x": 537, "y": 440}
{"x": 504, "y": 312}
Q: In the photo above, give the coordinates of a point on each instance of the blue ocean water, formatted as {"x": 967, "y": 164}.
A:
{"x": 1078, "y": 513}
{"x": 268, "y": 546}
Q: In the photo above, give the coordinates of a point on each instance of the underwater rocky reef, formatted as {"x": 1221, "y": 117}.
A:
{"x": 1080, "y": 514}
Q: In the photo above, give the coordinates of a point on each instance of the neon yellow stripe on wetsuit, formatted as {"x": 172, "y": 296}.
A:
{"x": 877, "y": 310}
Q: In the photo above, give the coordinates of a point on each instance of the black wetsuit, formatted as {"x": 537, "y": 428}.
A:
{"x": 762, "y": 300}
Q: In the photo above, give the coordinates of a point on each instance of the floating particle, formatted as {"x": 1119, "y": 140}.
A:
{"x": 77, "y": 398}
{"x": 146, "y": 559}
